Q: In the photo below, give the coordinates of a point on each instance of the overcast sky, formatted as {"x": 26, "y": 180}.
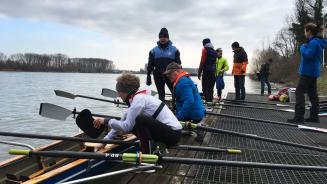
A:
{"x": 125, "y": 31}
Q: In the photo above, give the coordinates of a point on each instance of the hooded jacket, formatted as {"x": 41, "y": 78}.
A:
{"x": 189, "y": 105}
{"x": 240, "y": 62}
{"x": 161, "y": 56}
{"x": 311, "y": 57}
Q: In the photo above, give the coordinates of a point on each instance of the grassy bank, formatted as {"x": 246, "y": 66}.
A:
{"x": 322, "y": 84}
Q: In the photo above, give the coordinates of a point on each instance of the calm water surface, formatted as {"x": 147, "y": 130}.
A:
{"x": 22, "y": 92}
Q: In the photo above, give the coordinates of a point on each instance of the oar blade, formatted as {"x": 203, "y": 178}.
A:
{"x": 109, "y": 93}
{"x": 53, "y": 111}
{"x": 64, "y": 94}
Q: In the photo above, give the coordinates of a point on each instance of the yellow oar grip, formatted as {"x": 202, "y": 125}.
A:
{"x": 234, "y": 151}
{"x": 18, "y": 152}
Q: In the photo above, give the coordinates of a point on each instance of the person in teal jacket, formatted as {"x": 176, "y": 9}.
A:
{"x": 189, "y": 106}
{"x": 221, "y": 68}
{"x": 309, "y": 70}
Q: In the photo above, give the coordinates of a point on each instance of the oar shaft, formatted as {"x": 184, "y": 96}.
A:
{"x": 252, "y": 107}
{"x": 253, "y": 102}
{"x": 204, "y": 148}
{"x": 100, "y": 99}
{"x": 99, "y": 115}
{"x": 64, "y": 138}
{"x": 240, "y": 164}
{"x": 250, "y": 119}
{"x": 251, "y": 136}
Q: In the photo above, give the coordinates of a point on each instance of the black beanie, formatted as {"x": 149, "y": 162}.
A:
{"x": 205, "y": 41}
{"x": 163, "y": 33}
{"x": 85, "y": 120}
{"x": 235, "y": 45}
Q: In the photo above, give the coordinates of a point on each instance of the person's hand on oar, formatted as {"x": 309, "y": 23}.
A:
{"x": 99, "y": 146}
{"x": 98, "y": 122}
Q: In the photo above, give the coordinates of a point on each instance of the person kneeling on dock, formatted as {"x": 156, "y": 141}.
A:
{"x": 188, "y": 103}
{"x": 148, "y": 118}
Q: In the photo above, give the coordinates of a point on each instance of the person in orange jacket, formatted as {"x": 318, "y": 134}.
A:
{"x": 239, "y": 70}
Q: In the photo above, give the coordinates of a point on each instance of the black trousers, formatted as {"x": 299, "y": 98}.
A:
{"x": 160, "y": 80}
{"x": 264, "y": 80}
{"x": 307, "y": 85}
{"x": 208, "y": 84}
{"x": 219, "y": 92}
{"x": 239, "y": 82}
{"x": 149, "y": 129}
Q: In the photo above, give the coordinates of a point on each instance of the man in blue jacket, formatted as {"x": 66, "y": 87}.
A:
{"x": 159, "y": 58}
{"x": 188, "y": 103}
{"x": 309, "y": 70}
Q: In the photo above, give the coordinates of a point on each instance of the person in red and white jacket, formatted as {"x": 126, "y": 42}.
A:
{"x": 148, "y": 118}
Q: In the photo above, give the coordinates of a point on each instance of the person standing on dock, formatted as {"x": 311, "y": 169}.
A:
{"x": 147, "y": 117}
{"x": 309, "y": 70}
{"x": 221, "y": 68}
{"x": 188, "y": 102}
{"x": 239, "y": 70}
{"x": 264, "y": 76}
{"x": 159, "y": 58}
{"x": 207, "y": 69}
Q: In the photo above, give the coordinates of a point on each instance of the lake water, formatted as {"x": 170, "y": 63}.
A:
{"x": 22, "y": 92}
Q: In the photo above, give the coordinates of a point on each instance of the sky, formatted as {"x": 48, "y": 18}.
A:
{"x": 125, "y": 31}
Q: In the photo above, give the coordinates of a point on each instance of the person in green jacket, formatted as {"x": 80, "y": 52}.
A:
{"x": 221, "y": 68}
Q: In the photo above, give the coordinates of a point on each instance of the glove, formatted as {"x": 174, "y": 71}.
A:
{"x": 199, "y": 76}
{"x": 148, "y": 80}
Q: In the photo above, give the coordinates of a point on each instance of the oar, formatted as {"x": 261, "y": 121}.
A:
{"x": 113, "y": 94}
{"x": 59, "y": 113}
{"x": 155, "y": 159}
{"x": 73, "y": 96}
{"x": 268, "y": 121}
{"x": 250, "y": 107}
{"x": 64, "y": 138}
{"x": 264, "y": 103}
{"x": 205, "y": 148}
{"x": 251, "y": 136}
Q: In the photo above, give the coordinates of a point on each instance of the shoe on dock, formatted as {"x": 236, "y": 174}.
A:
{"x": 312, "y": 120}
{"x": 295, "y": 121}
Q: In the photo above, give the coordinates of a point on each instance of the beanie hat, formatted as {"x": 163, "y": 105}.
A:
{"x": 235, "y": 45}
{"x": 205, "y": 41}
{"x": 84, "y": 121}
{"x": 163, "y": 33}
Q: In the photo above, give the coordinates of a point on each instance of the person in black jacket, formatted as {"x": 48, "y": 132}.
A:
{"x": 264, "y": 76}
{"x": 159, "y": 58}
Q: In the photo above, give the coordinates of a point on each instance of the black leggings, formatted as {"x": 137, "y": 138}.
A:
{"x": 208, "y": 83}
{"x": 160, "y": 80}
{"x": 149, "y": 129}
{"x": 306, "y": 85}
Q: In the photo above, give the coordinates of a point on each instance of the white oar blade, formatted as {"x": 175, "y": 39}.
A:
{"x": 54, "y": 112}
{"x": 288, "y": 110}
{"x": 64, "y": 94}
{"x": 153, "y": 93}
{"x": 282, "y": 105}
{"x": 312, "y": 128}
{"x": 109, "y": 93}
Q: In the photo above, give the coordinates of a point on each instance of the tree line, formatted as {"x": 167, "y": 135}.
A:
{"x": 54, "y": 63}
{"x": 284, "y": 49}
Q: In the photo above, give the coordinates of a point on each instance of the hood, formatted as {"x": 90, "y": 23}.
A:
{"x": 209, "y": 45}
{"x": 322, "y": 42}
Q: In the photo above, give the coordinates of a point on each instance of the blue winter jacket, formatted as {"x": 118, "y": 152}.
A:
{"x": 189, "y": 105}
{"x": 311, "y": 57}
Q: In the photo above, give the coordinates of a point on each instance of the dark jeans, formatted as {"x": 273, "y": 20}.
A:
{"x": 208, "y": 83}
{"x": 306, "y": 85}
{"x": 160, "y": 80}
{"x": 239, "y": 82}
{"x": 264, "y": 80}
{"x": 149, "y": 129}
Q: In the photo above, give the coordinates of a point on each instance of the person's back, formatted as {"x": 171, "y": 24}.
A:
{"x": 264, "y": 76}
{"x": 189, "y": 105}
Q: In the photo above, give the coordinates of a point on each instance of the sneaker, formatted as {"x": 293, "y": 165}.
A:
{"x": 295, "y": 121}
{"x": 313, "y": 120}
